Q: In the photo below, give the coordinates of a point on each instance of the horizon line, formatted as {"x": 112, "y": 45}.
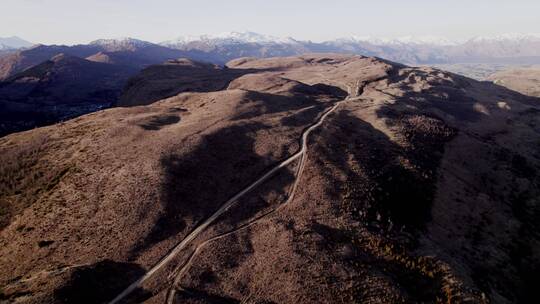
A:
{"x": 359, "y": 38}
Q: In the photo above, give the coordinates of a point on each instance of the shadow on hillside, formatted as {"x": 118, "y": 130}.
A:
{"x": 267, "y": 103}
{"x": 163, "y": 81}
{"x": 304, "y": 97}
{"x": 201, "y": 296}
{"x": 390, "y": 184}
{"x": 260, "y": 201}
{"x": 155, "y": 123}
{"x": 388, "y": 188}
{"x": 518, "y": 255}
{"x": 101, "y": 282}
{"x": 195, "y": 185}
{"x": 419, "y": 287}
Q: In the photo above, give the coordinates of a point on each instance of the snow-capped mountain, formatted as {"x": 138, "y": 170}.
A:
{"x": 426, "y": 40}
{"x": 14, "y": 42}
{"x": 223, "y": 47}
{"x": 250, "y": 37}
{"x": 121, "y": 44}
{"x": 439, "y": 41}
{"x": 229, "y": 38}
{"x": 501, "y": 46}
{"x": 405, "y": 40}
{"x": 220, "y": 48}
{"x": 510, "y": 37}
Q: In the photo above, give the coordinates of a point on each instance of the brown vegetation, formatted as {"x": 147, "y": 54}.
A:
{"x": 422, "y": 189}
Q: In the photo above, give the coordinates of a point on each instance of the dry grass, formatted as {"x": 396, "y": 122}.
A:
{"x": 406, "y": 265}
{"x": 25, "y": 176}
{"x": 17, "y": 166}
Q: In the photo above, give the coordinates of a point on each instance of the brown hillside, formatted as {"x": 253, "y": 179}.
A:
{"x": 523, "y": 80}
{"x": 421, "y": 186}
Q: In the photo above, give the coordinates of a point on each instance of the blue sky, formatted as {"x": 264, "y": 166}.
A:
{"x": 74, "y": 21}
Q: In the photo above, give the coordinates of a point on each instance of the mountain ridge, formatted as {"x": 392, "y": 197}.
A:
{"x": 135, "y": 55}
{"x": 253, "y": 37}
{"x": 508, "y": 48}
{"x": 14, "y": 42}
{"x": 407, "y": 49}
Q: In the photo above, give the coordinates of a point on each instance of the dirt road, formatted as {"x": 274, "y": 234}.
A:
{"x": 228, "y": 204}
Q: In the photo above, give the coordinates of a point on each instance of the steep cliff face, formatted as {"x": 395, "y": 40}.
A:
{"x": 394, "y": 184}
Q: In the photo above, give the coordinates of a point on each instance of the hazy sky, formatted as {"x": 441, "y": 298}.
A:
{"x": 74, "y": 21}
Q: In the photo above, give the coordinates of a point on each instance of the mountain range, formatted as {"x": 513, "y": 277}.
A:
{"x": 518, "y": 48}
{"x": 127, "y": 52}
{"x": 46, "y": 84}
{"x": 38, "y": 80}
{"x": 506, "y": 48}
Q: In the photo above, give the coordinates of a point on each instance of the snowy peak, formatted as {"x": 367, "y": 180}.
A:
{"x": 511, "y": 37}
{"x": 426, "y": 40}
{"x": 405, "y": 40}
{"x": 14, "y": 42}
{"x": 231, "y": 38}
{"x": 228, "y": 38}
{"x": 121, "y": 44}
{"x": 251, "y": 37}
{"x": 439, "y": 41}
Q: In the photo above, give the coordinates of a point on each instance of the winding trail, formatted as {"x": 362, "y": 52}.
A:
{"x": 228, "y": 204}
{"x": 302, "y": 154}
